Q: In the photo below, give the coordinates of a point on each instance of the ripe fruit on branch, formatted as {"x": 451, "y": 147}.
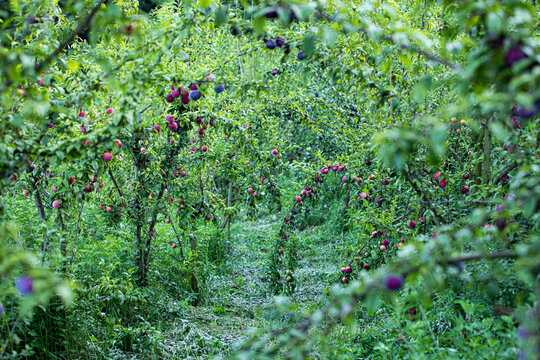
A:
{"x": 275, "y": 152}
{"x": 195, "y": 95}
{"x": 174, "y": 246}
{"x": 25, "y": 192}
{"x": 345, "y": 280}
{"x": 436, "y": 176}
{"x": 280, "y": 251}
{"x": 108, "y": 209}
{"x": 219, "y": 88}
{"x": 270, "y": 44}
{"x": 394, "y": 282}
{"x": 25, "y": 285}
{"x": 107, "y": 156}
{"x": 412, "y": 224}
{"x": 300, "y": 55}
{"x": 442, "y": 183}
{"x": 56, "y": 204}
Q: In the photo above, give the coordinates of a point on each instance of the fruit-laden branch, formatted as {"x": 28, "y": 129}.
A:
{"x": 68, "y": 40}
{"x": 436, "y": 216}
{"x": 375, "y": 284}
{"x": 505, "y": 172}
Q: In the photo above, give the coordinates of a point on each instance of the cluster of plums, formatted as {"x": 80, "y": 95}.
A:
{"x": 194, "y": 93}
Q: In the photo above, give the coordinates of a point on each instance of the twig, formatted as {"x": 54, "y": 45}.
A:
{"x": 436, "y": 216}
{"x": 458, "y": 201}
{"x": 427, "y": 54}
{"x": 404, "y": 211}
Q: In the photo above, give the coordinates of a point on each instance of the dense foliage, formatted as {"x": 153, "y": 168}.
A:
{"x": 352, "y": 179}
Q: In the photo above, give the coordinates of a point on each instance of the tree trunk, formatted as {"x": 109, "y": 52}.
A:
{"x": 228, "y": 243}
{"x": 478, "y": 165}
{"x": 194, "y": 280}
{"x": 41, "y": 211}
{"x": 348, "y": 197}
{"x": 486, "y": 166}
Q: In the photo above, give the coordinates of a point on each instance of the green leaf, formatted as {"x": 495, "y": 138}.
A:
{"x": 259, "y": 24}
{"x": 421, "y": 89}
{"x": 309, "y": 44}
{"x": 221, "y": 15}
{"x": 204, "y": 3}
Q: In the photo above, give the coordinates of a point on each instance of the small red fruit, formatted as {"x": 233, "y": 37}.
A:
{"x": 107, "y": 156}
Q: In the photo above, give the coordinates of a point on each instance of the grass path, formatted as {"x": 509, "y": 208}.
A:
{"x": 237, "y": 300}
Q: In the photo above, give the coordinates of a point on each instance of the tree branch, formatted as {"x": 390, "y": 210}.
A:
{"x": 505, "y": 172}
{"x": 80, "y": 28}
{"x": 436, "y": 216}
{"x": 426, "y": 54}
